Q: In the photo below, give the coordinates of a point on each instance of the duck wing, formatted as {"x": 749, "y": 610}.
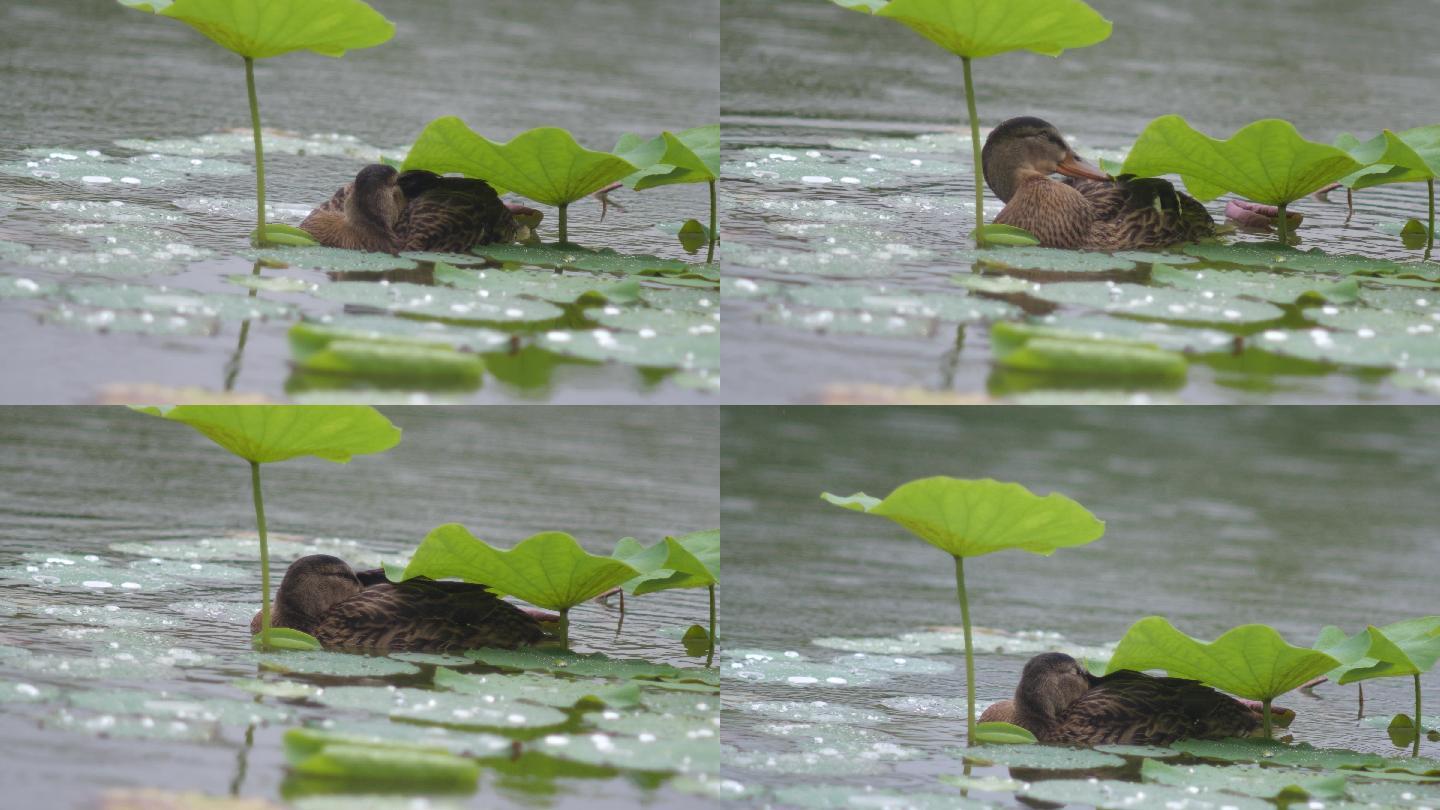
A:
{"x": 1132, "y": 212}
{"x": 426, "y": 616}
{"x": 1133, "y": 708}
{"x": 451, "y": 214}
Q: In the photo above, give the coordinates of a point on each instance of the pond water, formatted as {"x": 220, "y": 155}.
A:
{"x": 850, "y": 192}
{"x": 1295, "y": 517}
{"x": 138, "y": 494}
{"x": 116, "y": 287}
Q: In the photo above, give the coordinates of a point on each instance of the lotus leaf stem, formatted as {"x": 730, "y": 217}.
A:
{"x": 563, "y": 223}
{"x": 1284, "y": 227}
{"x": 970, "y": 653}
{"x": 264, "y": 554}
{"x": 1265, "y": 707}
{"x": 1415, "y": 751}
{"x": 715, "y": 235}
{"x": 1360, "y": 713}
{"x": 565, "y": 619}
{"x": 1430, "y": 235}
{"x": 259, "y": 154}
{"x": 979, "y": 191}
{"x": 710, "y": 658}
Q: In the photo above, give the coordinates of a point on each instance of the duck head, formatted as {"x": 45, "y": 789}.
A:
{"x": 375, "y": 204}
{"x": 312, "y": 586}
{"x": 1049, "y": 683}
{"x": 1027, "y": 147}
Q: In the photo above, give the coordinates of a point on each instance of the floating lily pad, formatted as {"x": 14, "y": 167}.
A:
{"x": 1401, "y": 795}
{"x": 87, "y": 572}
{"x": 1263, "y": 783}
{"x": 734, "y": 288}
{"x": 439, "y": 303}
{"x": 1147, "y": 751}
{"x": 804, "y": 762}
{"x": 1046, "y": 757}
{"x": 285, "y": 690}
{"x": 381, "y": 699}
{"x": 829, "y": 321}
{"x": 545, "y": 690}
{"x": 812, "y": 168}
{"x": 146, "y": 323}
{"x": 475, "y": 713}
{"x": 814, "y": 711}
{"x": 114, "y": 211}
{"x": 120, "y": 726}
{"x": 574, "y": 257}
{"x": 160, "y": 301}
{"x": 645, "y": 752}
{"x": 820, "y": 261}
{"x": 948, "y": 708}
{"x": 843, "y": 797}
{"x": 328, "y": 258}
{"x": 1184, "y": 306}
{"x": 333, "y": 663}
{"x": 1363, "y": 349}
{"x": 110, "y": 616}
{"x": 1049, "y": 260}
{"x": 244, "y": 209}
{"x": 283, "y": 284}
{"x": 545, "y": 285}
{"x": 241, "y": 142}
{"x": 1110, "y": 794}
{"x": 792, "y": 669}
{"x": 881, "y": 301}
{"x": 1173, "y": 337}
{"x": 22, "y": 287}
{"x": 310, "y": 336}
{"x": 95, "y": 170}
{"x": 25, "y": 692}
{"x": 1279, "y": 257}
{"x": 440, "y": 368}
{"x": 165, "y": 705}
{"x": 466, "y": 743}
{"x": 436, "y": 659}
{"x": 647, "y": 338}
{"x": 1273, "y": 287}
{"x": 593, "y": 664}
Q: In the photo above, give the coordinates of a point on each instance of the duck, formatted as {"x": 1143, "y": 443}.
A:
{"x": 363, "y": 611}
{"x": 1089, "y": 209}
{"x": 1058, "y": 701}
{"x": 386, "y": 211}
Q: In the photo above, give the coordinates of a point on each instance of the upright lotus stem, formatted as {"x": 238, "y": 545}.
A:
{"x": 1430, "y": 235}
{"x": 715, "y": 235}
{"x": 264, "y": 553}
{"x": 979, "y": 190}
{"x": 710, "y": 658}
{"x": 969, "y": 652}
{"x": 1284, "y": 226}
{"x": 562, "y": 223}
{"x": 1265, "y": 707}
{"x": 1415, "y": 751}
{"x": 259, "y": 153}
{"x": 1360, "y": 713}
{"x": 565, "y": 621}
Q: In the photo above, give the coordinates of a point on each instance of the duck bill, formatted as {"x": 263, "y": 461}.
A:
{"x": 1073, "y": 166}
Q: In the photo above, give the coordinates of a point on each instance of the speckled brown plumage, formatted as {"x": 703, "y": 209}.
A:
{"x": 386, "y": 211}
{"x": 1087, "y": 209}
{"x": 1059, "y": 702}
{"x": 321, "y": 595}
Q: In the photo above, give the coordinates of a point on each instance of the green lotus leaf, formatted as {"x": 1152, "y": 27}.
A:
{"x": 998, "y": 733}
{"x": 268, "y": 433}
{"x": 398, "y": 362}
{"x": 980, "y": 28}
{"x": 550, "y": 569}
{"x": 691, "y": 156}
{"x": 1410, "y": 647}
{"x": 259, "y": 29}
{"x": 971, "y": 518}
{"x": 692, "y": 561}
{"x": 545, "y": 165}
{"x": 1115, "y": 794}
{"x": 1023, "y": 347}
{"x": 1393, "y": 158}
{"x": 1262, "y": 783}
{"x": 1008, "y": 235}
{"x": 284, "y": 638}
{"x": 1252, "y": 661}
{"x": 1047, "y": 757}
{"x": 1266, "y": 161}
{"x": 593, "y": 664}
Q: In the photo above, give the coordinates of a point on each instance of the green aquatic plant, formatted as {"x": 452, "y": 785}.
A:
{"x": 691, "y": 156}
{"x": 1404, "y": 157}
{"x": 692, "y": 561}
{"x": 1403, "y": 649}
{"x": 1266, "y": 162}
{"x": 966, "y": 518}
{"x": 260, "y": 29}
{"x": 265, "y": 434}
{"x": 549, "y": 569}
{"x": 975, "y": 29}
{"x": 1253, "y": 661}
{"x": 545, "y": 164}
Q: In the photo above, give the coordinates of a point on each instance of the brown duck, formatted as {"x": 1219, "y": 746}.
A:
{"x": 1089, "y": 209}
{"x": 1060, "y": 702}
{"x": 348, "y": 610}
{"x": 385, "y": 211}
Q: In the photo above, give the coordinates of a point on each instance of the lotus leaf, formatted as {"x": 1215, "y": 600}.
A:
{"x": 550, "y": 569}
{"x": 1266, "y": 161}
{"x": 998, "y": 733}
{"x": 843, "y": 797}
{"x": 1252, "y": 661}
{"x": 1046, "y": 757}
{"x": 546, "y": 164}
{"x": 1410, "y": 156}
{"x": 691, "y": 156}
{"x": 976, "y": 29}
{"x": 1113, "y": 794}
{"x": 1407, "y": 648}
{"x": 594, "y": 664}
{"x": 1264, "y": 783}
